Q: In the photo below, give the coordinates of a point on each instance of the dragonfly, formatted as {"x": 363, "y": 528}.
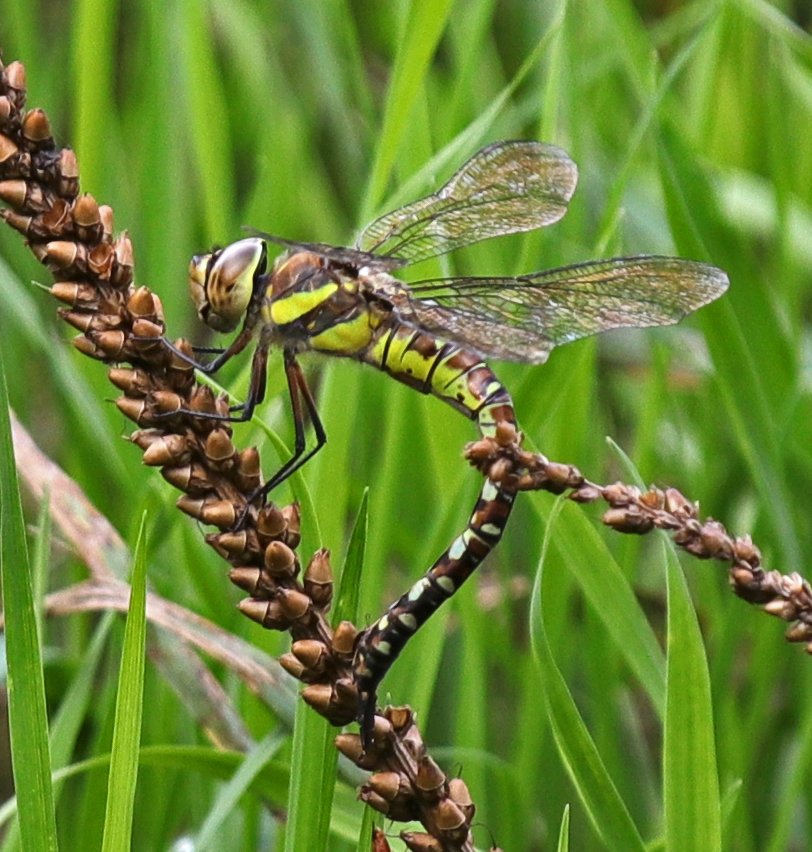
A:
{"x": 435, "y": 335}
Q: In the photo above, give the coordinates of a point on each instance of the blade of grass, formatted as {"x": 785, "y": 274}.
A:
{"x": 314, "y": 757}
{"x": 28, "y": 721}
{"x": 346, "y": 606}
{"x": 129, "y": 711}
{"x": 564, "y": 831}
{"x": 425, "y": 25}
{"x": 229, "y": 796}
{"x": 690, "y": 779}
{"x": 206, "y": 91}
{"x": 94, "y": 37}
{"x": 312, "y": 761}
{"x": 42, "y": 553}
{"x": 693, "y": 810}
{"x": 611, "y": 595}
{"x": 606, "y": 810}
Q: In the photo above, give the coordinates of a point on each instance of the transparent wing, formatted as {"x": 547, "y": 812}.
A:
{"x": 342, "y": 255}
{"x": 522, "y": 319}
{"x": 503, "y": 189}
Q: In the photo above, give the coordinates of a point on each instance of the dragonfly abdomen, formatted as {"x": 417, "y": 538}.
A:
{"x": 380, "y": 644}
{"x": 462, "y": 379}
{"x": 444, "y": 369}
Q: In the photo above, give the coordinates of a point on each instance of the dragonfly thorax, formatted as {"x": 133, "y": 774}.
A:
{"x": 222, "y": 283}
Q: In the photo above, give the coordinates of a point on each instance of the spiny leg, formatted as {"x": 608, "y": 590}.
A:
{"x": 256, "y": 389}
{"x": 298, "y": 390}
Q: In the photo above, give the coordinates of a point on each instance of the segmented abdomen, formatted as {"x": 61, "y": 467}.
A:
{"x": 462, "y": 379}
{"x": 446, "y": 370}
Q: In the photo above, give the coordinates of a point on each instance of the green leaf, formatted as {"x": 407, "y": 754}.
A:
{"x": 608, "y": 590}
{"x": 129, "y": 710}
{"x": 425, "y": 24}
{"x": 564, "y": 831}
{"x": 312, "y": 782}
{"x": 348, "y": 594}
{"x": 229, "y": 796}
{"x": 693, "y": 821}
{"x": 598, "y": 794}
{"x": 28, "y": 722}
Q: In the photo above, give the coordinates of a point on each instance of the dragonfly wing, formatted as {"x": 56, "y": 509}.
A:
{"x": 342, "y": 255}
{"x": 480, "y": 332}
{"x": 521, "y": 319}
{"x": 505, "y": 188}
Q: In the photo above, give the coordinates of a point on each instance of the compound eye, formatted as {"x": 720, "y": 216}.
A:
{"x": 198, "y": 268}
{"x": 222, "y": 284}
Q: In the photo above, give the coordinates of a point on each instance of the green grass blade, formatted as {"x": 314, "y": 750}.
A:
{"x": 313, "y": 763}
{"x": 129, "y": 711}
{"x": 426, "y": 21}
{"x": 606, "y": 810}
{"x": 95, "y": 44}
{"x": 691, "y": 208}
{"x": 693, "y": 820}
{"x": 211, "y": 143}
{"x": 40, "y": 562}
{"x": 28, "y": 722}
{"x": 611, "y": 595}
{"x": 314, "y": 755}
{"x": 346, "y": 606}
{"x": 229, "y": 796}
{"x": 68, "y": 720}
{"x": 564, "y": 831}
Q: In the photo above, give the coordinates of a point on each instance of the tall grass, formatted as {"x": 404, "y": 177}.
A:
{"x": 690, "y": 123}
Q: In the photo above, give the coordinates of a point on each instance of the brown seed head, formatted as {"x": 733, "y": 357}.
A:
{"x": 350, "y": 746}
{"x": 295, "y": 605}
{"x": 76, "y": 294}
{"x": 219, "y": 513}
{"x": 344, "y": 638}
{"x": 14, "y": 192}
{"x": 385, "y": 784}
{"x": 450, "y": 819}
{"x": 292, "y": 666}
{"x": 246, "y": 577}
{"x": 319, "y": 697}
{"x": 132, "y": 408}
{"x": 167, "y": 450}
{"x": 270, "y": 520}
{"x": 144, "y": 304}
{"x": 280, "y": 560}
{"x": 88, "y": 347}
{"x": 86, "y": 211}
{"x": 418, "y": 841}
{"x": 311, "y": 653}
{"x": 318, "y": 578}
{"x": 7, "y": 149}
{"x": 430, "y": 778}
{"x": 15, "y": 76}
{"x": 219, "y": 447}
{"x": 799, "y": 632}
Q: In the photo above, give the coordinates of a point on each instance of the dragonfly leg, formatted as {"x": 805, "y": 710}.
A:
{"x": 298, "y": 391}
{"x": 256, "y": 390}
{"x": 223, "y": 355}
{"x": 207, "y": 350}
{"x": 380, "y": 644}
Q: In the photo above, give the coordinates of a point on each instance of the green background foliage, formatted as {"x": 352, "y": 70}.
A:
{"x": 690, "y": 124}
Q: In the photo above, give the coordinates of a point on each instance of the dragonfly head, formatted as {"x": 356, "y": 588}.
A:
{"x": 222, "y": 283}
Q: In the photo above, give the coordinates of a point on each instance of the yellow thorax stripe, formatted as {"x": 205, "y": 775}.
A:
{"x": 290, "y": 308}
{"x": 346, "y": 338}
